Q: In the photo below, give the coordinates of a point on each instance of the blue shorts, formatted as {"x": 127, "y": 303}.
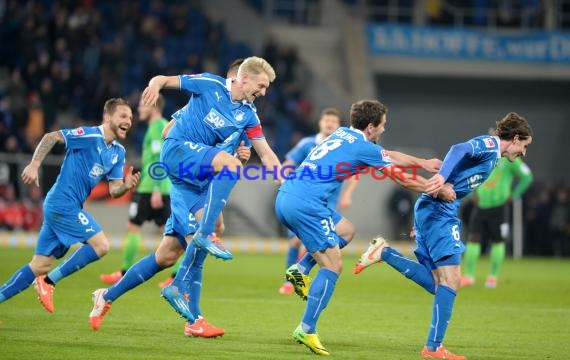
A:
{"x": 185, "y": 201}
{"x": 62, "y": 228}
{"x": 188, "y": 162}
{"x": 335, "y": 216}
{"x": 312, "y": 221}
{"x": 438, "y": 234}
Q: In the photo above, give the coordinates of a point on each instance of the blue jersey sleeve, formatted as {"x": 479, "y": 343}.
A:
{"x": 81, "y": 137}
{"x": 301, "y": 150}
{"x": 118, "y": 170}
{"x": 453, "y": 157}
{"x": 374, "y": 155}
{"x": 200, "y": 83}
{"x": 483, "y": 145}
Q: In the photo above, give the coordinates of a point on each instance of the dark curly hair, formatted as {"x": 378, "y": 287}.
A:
{"x": 511, "y": 125}
{"x": 366, "y": 112}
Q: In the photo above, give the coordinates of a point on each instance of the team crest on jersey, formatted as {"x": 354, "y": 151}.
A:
{"x": 489, "y": 143}
{"x": 114, "y": 159}
{"x": 239, "y": 115}
{"x": 97, "y": 170}
{"x": 76, "y": 132}
{"x": 386, "y": 156}
{"x": 214, "y": 119}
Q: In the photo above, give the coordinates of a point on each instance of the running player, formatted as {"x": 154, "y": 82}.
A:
{"x": 217, "y": 108}
{"x": 301, "y": 203}
{"x": 438, "y": 229}
{"x": 151, "y": 200}
{"x": 231, "y": 74}
{"x": 329, "y": 121}
{"x": 92, "y": 154}
{"x": 181, "y": 222}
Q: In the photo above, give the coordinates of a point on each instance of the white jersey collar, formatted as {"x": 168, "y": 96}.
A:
{"x": 359, "y": 132}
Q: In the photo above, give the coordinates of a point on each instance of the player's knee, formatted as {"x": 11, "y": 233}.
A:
{"x": 102, "y": 248}
{"x": 133, "y": 228}
{"x": 165, "y": 258}
{"x": 40, "y": 268}
{"x": 295, "y": 242}
{"x": 348, "y": 233}
{"x": 337, "y": 266}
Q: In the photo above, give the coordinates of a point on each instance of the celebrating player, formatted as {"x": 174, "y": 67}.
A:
{"x": 217, "y": 108}
{"x": 438, "y": 228}
{"x": 92, "y": 153}
{"x": 188, "y": 205}
{"x": 301, "y": 203}
{"x": 151, "y": 200}
{"x": 329, "y": 121}
{"x": 181, "y": 223}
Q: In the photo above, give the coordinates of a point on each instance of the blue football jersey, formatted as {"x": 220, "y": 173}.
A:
{"x": 231, "y": 143}
{"x": 302, "y": 149}
{"x": 473, "y": 169}
{"x": 87, "y": 160}
{"x": 300, "y": 152}
{"x": 211, "y": 115}
{"x": 332, "y": 161}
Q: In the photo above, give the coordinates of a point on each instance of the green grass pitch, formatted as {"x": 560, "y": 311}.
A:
{"x": 376, "y": 315}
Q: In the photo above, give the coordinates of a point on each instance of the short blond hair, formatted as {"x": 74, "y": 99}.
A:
{"x": 256, "y": 65}
{"x": 111, "y": 105}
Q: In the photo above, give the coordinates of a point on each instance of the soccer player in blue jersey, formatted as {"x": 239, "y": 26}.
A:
{"x": 220, "y": 226}
{"x": 329, "y": 121}
{"x": 92, "y": 154}
{"x": 301, "y": 203}
{"x": 189, "y": 206}
{"x": 217, "y": 108}
{"x": 438, "y": 228}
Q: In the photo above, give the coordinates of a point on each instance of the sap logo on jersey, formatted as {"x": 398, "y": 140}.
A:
{"x": 96, "y": 171}
{"x": 215, "y": 120}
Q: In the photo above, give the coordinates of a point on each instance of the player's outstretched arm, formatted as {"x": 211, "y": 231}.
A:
{"x": 267, "y": 156}
{"x": 415, "y": 182}
{"x": 150, "y": 93}
{"x": 30, "y": 173}
{"x": 401, "y": 159}
{"x": 118, "y": 188}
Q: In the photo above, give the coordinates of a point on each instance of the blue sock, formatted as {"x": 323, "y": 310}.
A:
{"x": 410, "y": 269}
{"x": 191, "y": 277}
{"x": 78, "y": 260}
{"x": 20, "y": 281}
{"x": 441, "y": 314}
{"x": 140, "y": 272}
{"x": 307, "y": 262}
{"x": 320, "y": 294}
{"x": 292, "y": 255}
{"x": 216, "y": 198}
